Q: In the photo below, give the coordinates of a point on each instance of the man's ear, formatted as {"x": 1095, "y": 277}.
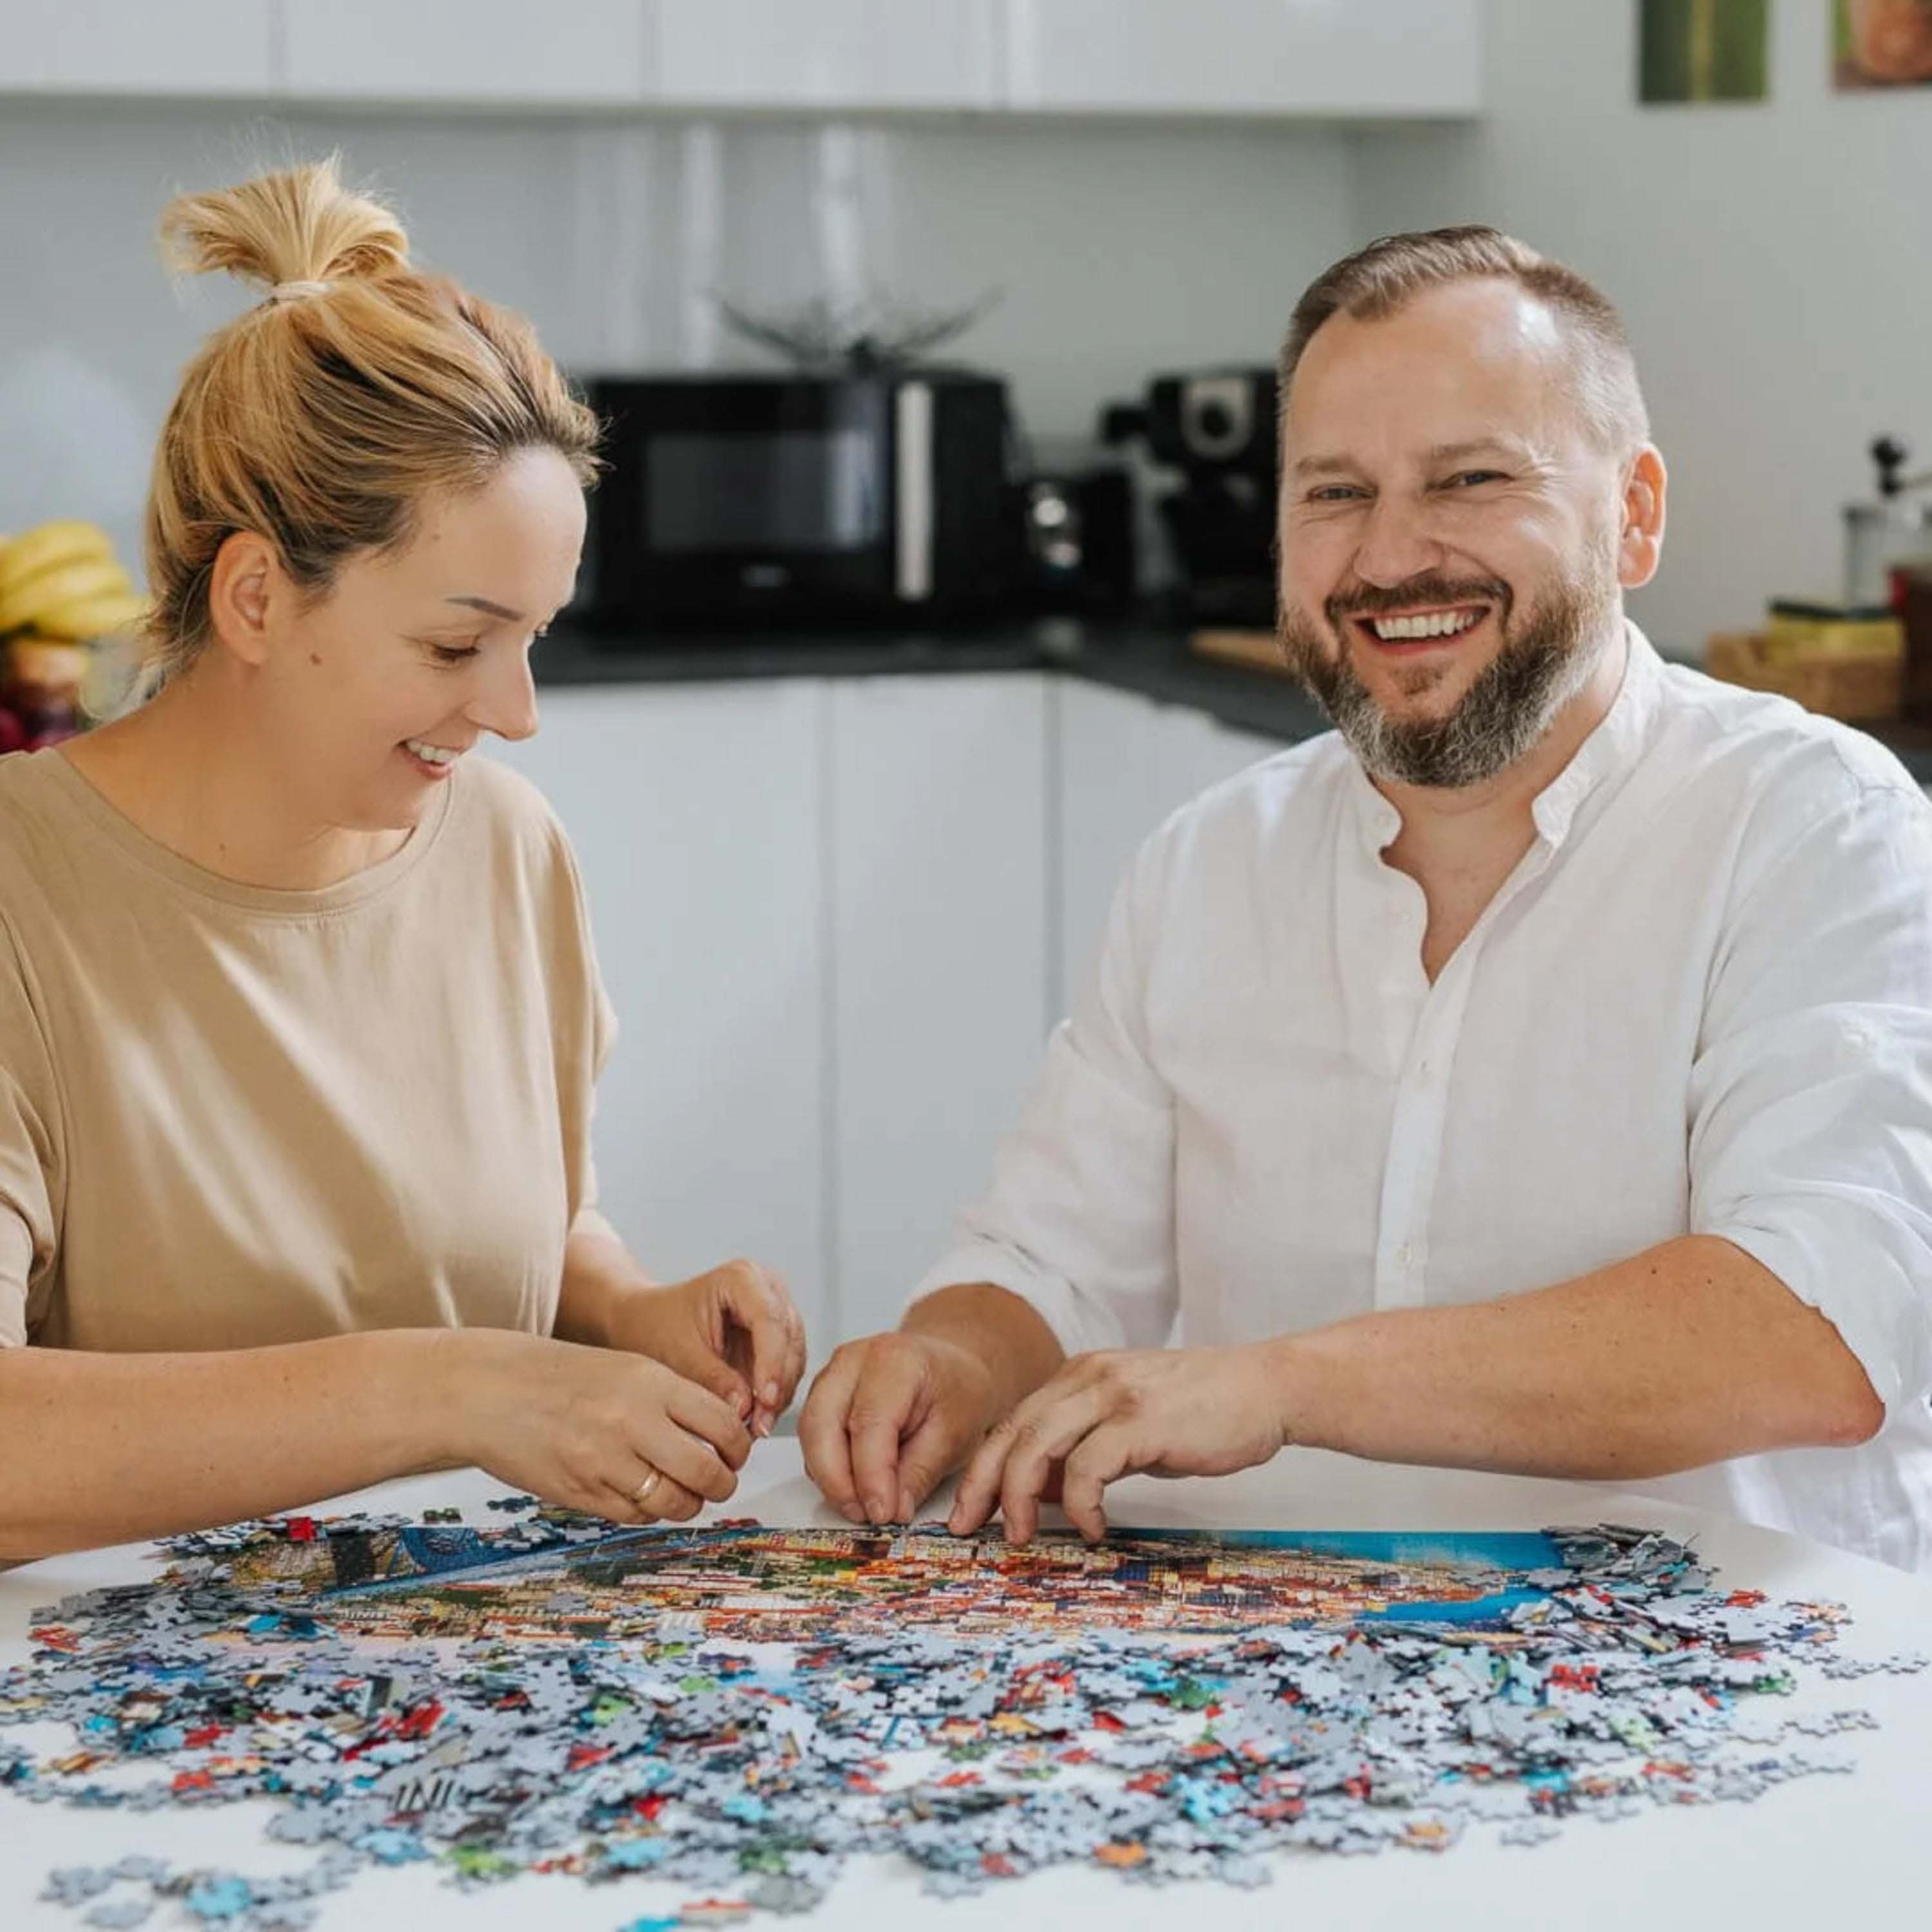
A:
{"x": 1641, "y": 540}
{"x": 244, "y": 589}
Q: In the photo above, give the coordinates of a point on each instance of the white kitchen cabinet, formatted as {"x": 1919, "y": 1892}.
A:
{"x": 1125, "y": 763}
{"x": 827, "y": 54}
{"x": 938, "y": 788}
{"x": 1345, "y": 57}
{"x": 589, "y": 53}
{"x": 694, "y": 812}
{"x": 137, "y": 46}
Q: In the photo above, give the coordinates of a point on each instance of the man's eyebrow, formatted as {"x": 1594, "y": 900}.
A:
{"x": 484, "y": 604}
{"x": 1325, "y": 465}
{"x": 1482, "y": 446}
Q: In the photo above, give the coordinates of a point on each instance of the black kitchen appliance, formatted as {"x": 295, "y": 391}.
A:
{"x": 852, "y": 497}
{"x": 1077, "y": 538}
{"x": 1217, "y": 428}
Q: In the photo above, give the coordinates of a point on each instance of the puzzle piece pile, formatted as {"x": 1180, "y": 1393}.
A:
{"x": 740, "y": 1711}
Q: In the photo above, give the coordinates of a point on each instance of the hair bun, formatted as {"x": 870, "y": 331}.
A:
{"x": 299, "y": 224}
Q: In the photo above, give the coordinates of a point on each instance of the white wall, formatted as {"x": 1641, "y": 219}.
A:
{"x": 1772, "y": 261}
{"x": 1121, "y": 250}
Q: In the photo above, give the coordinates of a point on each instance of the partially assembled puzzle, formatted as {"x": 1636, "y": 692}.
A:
{"x": 739, "y": 1711}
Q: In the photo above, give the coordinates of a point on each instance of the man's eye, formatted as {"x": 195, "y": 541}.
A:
{"x": 1467, "y": 479}
{"x": 1333, "y": 492}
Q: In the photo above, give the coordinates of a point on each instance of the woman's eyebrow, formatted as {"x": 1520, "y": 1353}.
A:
{"x": 485, "y": 604}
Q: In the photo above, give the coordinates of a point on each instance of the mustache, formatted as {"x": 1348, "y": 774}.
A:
{"x": 1370, "y": 600}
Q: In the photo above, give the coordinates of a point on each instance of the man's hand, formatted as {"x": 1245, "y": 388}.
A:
{"x": 1164, "y": 1411}
{"x": 733, "y": 1330}
{"x": 888, "y": 1417}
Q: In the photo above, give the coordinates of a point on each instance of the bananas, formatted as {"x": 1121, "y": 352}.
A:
{"x": 61, "y": 581}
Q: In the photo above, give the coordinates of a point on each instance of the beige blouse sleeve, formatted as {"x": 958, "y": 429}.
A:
{"x": 31, "y": 1151}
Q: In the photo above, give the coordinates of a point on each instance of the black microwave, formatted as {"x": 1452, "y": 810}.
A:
{"x": 799, "y": 499}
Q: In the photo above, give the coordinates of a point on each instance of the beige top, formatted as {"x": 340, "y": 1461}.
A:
{"x": 231, "y": 1116}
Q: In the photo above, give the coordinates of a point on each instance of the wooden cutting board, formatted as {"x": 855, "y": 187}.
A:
{"x": 1257, "y": 650}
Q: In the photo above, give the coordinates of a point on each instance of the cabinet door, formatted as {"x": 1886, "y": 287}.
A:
{"x": 693, "y": 812}
{"x": 135, "y": 47}
{"x": 483, "y": 51}
{"x": 1125, "y": 763}
{"x": 1341, "y": 57}
{"x": 938, "y": 789}
{"x": 831, "y": 53}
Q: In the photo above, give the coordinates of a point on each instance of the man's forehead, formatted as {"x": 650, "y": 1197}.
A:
{"x": 1454, "y": 363}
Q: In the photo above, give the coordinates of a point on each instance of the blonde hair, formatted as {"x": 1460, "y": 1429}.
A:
{"x": 322, "y": 417}
{"x": 1375, "y": 281}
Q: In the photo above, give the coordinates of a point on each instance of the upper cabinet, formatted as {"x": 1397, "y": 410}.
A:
{"x": 210, "y": 47}
{"x": 827, "y": 55}
{"x": 1350, "y": 57}
{"x": 451, "y": 52}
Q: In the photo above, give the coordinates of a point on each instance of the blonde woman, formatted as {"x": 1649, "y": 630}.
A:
{"x": 299, "y": 1019}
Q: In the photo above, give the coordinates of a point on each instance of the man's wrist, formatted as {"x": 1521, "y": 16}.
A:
{"x": 1286, "y": 1375}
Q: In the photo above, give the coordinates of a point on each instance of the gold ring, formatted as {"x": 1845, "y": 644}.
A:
{"x": 641, "y": 1494}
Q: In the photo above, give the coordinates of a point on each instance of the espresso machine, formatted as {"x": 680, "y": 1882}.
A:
{"x": 1216, "y": 428}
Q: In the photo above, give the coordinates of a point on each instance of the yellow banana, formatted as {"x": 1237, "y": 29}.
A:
{"x": 80, "y": 618}
{"x": 22, "y": 604}
{"x": 65, "y": 541}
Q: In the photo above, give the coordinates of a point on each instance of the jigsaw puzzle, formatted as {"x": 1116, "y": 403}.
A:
{"x": 739, "y": 1711}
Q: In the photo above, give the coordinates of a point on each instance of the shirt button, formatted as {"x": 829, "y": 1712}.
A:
{"x": 1425, "y": 1068}
{"x": 1404, "y": 1255}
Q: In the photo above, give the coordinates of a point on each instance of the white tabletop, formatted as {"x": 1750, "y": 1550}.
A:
{"x": 1820, "y": 1851}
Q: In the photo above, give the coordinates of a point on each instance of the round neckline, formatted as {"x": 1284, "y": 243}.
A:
{"x": 288, "y": 902}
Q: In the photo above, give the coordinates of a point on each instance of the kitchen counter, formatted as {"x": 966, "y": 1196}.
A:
{"x": 1140, "y": 655}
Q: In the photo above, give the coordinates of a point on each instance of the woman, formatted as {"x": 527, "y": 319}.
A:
{"x": 299, "y": 1019}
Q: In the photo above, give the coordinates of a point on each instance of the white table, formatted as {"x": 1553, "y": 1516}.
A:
{"x": 1823, "y": 1852}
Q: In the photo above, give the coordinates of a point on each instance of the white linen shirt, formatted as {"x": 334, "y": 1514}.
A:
{"x": 1702, "y": 1004}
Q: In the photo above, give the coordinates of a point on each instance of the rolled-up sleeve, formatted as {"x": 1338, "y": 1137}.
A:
{"x": 30, "y": 1154}
{"x": 1078, "y": 1220}
{"x": 1811, "y": 1096}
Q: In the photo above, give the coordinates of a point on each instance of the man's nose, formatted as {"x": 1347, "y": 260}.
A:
{"x": 507, "y": 704}
{"x": 1396, "y": 545}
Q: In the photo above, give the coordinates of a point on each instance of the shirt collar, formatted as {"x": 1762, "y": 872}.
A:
{"x": 1608, "y": 750}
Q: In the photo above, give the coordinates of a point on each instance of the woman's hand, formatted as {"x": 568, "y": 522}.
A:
{"x": 588, "y": 1427}
{"x": 1165, "y": 1411}
{"x": 733, "y": 1330}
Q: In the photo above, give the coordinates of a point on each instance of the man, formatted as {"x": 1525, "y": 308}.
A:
{"x": 1534, "y": 1075}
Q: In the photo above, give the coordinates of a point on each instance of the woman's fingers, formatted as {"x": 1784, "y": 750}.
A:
{"x": 699, "y": 1411}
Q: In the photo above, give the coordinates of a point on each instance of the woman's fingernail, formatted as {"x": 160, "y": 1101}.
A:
{"x": 771, "y": 1395}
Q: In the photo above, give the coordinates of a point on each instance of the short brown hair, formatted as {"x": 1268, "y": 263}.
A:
{"x": 1375, "y": 281}
{"x": 320, "y": 419}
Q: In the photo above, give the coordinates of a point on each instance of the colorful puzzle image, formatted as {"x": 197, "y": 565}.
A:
{"x": 715, "y": 1722}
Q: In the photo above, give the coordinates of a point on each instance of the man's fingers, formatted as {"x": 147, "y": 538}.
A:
{"x": 973, "y": 1501}
{"x": 1042, "y": 1437}
{"x": 924, "y": 1457}
{"x": 1106, "y": 1454}
{"x": 821, "y": 1433}
{"x": 885, "y": 1408}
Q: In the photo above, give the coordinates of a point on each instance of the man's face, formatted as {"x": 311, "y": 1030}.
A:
{"x": 1449, "y": 533}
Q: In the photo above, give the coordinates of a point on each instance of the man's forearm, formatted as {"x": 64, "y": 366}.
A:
{"x": 1001, "y": 1331}
{"x": 1690, "y": 1353}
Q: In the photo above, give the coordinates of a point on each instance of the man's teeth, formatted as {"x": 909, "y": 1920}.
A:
{"x": 432, "y": 754}
{"x": 1431, "y": 624}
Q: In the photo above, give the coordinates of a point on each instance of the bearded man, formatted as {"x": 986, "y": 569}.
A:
{"x": 1535, "y": 1074}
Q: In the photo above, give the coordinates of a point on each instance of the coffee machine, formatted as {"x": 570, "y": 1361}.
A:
{"x": 1217, "y": 428}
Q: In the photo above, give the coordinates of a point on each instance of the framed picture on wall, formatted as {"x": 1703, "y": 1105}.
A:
{"x": 1702, "y": 49}
{"x": 1882, "y": 44}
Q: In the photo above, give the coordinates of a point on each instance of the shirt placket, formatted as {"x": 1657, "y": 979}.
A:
{"x": 1418, "y": 1120}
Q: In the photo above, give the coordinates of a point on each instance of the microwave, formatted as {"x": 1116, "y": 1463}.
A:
{"x": 799, "y": 499}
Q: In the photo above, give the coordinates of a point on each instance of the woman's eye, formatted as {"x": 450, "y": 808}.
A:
{"x": 453, "y": 655}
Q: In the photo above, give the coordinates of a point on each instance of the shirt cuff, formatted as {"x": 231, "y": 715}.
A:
{"x": 1863, "y": 1292}
{"x": 1077, "y": 1324}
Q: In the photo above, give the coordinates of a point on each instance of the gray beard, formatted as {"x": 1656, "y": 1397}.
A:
{"x": 1503, "y": 714}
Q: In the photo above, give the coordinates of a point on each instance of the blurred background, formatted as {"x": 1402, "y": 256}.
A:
{"x": 894, "y": 643}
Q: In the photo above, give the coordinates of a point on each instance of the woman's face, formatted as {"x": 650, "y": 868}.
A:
{"x": 373, "y": 692}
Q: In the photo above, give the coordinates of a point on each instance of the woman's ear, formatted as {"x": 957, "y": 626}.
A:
{"x": 242, "y": 594}
{"x": 1641, "y": 539}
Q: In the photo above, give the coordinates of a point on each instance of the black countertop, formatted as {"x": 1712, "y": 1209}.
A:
{"x": 1144, "y": 656}
{"x": 1148, "y": 657}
